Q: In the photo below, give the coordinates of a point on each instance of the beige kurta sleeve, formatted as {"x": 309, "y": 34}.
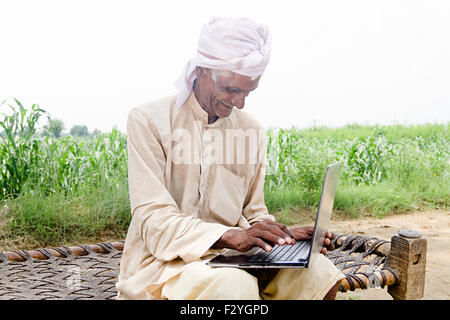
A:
{"x": 254, "y": 206}
{"x": 167, "y": 232}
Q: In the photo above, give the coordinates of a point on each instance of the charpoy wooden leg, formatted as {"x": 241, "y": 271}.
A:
{"x": 408, "y": 257}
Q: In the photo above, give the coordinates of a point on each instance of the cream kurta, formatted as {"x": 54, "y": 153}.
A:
{"x": 189, "y": 183}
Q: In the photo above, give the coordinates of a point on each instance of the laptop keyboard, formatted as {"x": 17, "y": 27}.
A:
{"x": 294, "y": 252}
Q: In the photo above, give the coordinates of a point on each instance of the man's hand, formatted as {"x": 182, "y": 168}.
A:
{"x": 328, "y": 242}
{"x": 305, "y": 233}
{"x": 302, "y": 233}
{"x": 262, "y": 234}
{"x": 265, "y": 233}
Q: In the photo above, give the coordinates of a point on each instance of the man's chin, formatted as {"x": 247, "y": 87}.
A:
{"x": 227, "y": 114}
{"x": 224, "y": 111}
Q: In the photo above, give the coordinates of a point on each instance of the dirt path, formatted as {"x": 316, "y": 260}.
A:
{"x": 434, "y": 226}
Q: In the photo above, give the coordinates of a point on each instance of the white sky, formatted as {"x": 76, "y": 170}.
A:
{"x": 333, "y": 62}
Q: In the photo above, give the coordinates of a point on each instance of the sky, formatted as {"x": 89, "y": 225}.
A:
{"x": 333, "y": 62}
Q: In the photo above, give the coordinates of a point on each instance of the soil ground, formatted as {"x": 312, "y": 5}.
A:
{"x": 434, "y": 226}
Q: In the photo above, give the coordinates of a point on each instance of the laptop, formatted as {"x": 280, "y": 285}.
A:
{"x": 298, "y": 255}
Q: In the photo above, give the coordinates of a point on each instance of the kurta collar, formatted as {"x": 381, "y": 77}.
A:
{"x": 200, "y": 113}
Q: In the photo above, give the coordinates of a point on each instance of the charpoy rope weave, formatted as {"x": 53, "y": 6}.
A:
{"x": 364, "y": 261}
{"x": 81, "y": 272}
{"x": 89, "y": 272}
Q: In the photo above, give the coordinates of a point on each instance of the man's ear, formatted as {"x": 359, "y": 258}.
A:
{"x": 200, "y": 72}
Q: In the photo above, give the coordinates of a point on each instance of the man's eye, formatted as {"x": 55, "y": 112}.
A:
{"x": 233, "y": 90}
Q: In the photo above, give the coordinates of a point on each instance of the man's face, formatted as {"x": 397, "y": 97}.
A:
{"x": 220, "y": 91}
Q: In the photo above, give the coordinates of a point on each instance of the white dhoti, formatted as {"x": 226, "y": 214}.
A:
{"x": 202, "y": 282}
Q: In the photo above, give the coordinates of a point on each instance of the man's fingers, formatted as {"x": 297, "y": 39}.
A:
{"x": 269, "y": 236}
{"x": 260, "y": 243}
{"x": 278, "y": 229}
{"x": 310, "y": 230}
{"x": 284, "y": 229}
{"x": 329, "y": 240}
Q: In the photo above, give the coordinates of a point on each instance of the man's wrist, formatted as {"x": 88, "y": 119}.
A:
{"x": 224, "y": 240}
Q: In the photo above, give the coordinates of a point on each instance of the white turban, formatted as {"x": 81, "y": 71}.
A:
{"x": 240, "y": 45}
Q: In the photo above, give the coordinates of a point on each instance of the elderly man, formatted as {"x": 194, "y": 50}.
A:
{"x": 196, "y": 180}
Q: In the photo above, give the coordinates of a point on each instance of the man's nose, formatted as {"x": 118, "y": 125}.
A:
{"x": 239, "y": 100}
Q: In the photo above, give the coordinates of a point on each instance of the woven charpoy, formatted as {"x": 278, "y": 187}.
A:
{"x": 364, "y": 261}
{"x": 89, "y": 272}
{"x": 81, "y": 272}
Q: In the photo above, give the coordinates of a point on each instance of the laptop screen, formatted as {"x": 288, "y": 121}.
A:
{"x": 325, "y": 208}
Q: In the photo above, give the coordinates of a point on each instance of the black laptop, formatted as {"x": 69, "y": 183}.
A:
{"x": 298, "y": 255}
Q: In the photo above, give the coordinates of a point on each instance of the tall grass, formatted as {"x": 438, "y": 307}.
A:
{"x": 56, "y": 191}
{"x": 60, "y": 190}
{"x": 385, "y": 168}
{"x": 18, "y": 147}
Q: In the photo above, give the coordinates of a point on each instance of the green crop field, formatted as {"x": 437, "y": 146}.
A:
{"x": 55, "y": 191}
{"x": 386, "y": 169}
